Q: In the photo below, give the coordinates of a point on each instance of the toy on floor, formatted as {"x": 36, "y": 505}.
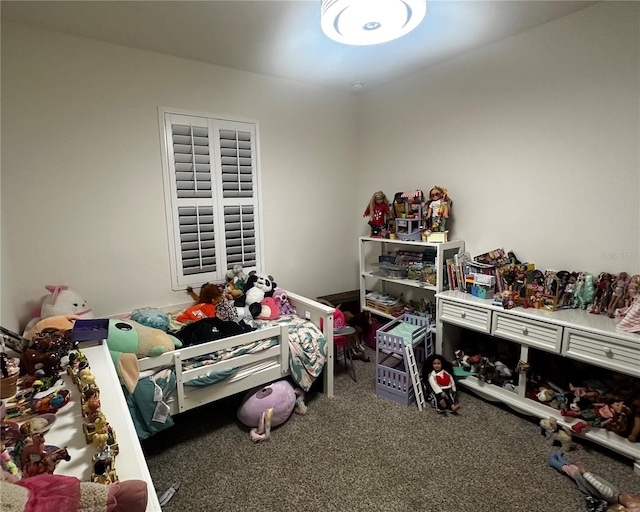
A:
{"x": 269, "y": 407}
{"x": 553, "y": 433}
{"x": 599, "y": 495}
{"x": 441, "y": 382}
{"x": 58, "y": 493}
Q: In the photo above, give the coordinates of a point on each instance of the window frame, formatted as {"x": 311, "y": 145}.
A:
{"x": 180, "y": 280}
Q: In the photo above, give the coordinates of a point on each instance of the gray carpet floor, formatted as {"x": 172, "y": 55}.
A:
{"x": 360, "y": 452}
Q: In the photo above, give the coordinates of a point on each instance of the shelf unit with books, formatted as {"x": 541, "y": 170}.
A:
{"x": 378, "y": 254}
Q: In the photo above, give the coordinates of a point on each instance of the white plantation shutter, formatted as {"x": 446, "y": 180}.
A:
{"x": 211, "y": 197}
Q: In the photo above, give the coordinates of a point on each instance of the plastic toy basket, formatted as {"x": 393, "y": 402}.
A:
{"x": 393, "y": 379}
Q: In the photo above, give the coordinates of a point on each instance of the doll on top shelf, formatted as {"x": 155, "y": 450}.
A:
{"x": 378, "y": 210}
{"x": 618, "y": 291}
{"x": 438, "y": 210}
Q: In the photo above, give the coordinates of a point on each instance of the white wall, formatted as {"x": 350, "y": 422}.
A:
{"x": 536, "y": 137}
{"x": 82, "y": 198}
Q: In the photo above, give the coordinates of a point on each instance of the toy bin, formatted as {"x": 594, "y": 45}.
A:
{"x": 393, "y": 379}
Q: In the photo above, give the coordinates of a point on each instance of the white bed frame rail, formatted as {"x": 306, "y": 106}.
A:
{"x": 255, "y": 369}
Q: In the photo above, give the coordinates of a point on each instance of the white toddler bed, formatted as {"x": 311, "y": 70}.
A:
{"x": 254, "y": 368}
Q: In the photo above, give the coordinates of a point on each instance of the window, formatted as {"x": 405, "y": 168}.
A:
{"x": 211, "y": 196}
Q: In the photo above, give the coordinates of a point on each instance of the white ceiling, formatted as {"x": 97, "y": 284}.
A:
{"x": 283, "y": 38}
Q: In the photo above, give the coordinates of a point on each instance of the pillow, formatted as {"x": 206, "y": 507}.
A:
{"x": 151, "y": 317}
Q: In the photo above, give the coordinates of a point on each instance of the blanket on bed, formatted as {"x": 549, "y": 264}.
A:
{"x": 307, "y": 348}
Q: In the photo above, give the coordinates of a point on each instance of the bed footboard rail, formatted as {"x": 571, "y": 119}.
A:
{"x": 322, "y": 316}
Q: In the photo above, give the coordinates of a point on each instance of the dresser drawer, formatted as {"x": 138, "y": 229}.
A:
{"x": 616, "y": 354}
{"x": 528, "y": 332}
{"x": 465, "y": 316}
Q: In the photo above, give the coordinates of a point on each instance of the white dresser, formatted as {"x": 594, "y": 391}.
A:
{"x": 570, "y": 333}
{"x": 67, "y": 429}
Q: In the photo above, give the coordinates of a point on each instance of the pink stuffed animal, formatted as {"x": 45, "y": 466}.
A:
{"x": 282, "y": 299}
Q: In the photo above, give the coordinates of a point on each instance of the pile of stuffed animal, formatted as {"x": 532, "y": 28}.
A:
{"x": 614, "y": 406}
{"x": 252, "y": 295}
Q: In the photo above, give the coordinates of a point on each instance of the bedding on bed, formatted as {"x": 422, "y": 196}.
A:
{"x": 307, "y": 357}
{"x": 307, "y": 349}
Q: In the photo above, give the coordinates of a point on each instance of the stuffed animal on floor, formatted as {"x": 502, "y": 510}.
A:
{"x": 128, "y": 340}
{"x": 553, "y": 432}
{"x": 59, "y": 493}
{"x": 270, "y": 406}
{"x": 258, "y": 286}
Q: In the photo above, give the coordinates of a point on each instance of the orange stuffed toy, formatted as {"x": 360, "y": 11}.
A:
{"x": 205, "y": 306}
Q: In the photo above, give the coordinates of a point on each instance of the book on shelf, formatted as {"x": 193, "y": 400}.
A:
{"x": 461, "y": 261}
{"x": 451, "y": 274}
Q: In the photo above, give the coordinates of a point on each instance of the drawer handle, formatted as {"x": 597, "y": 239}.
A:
{"x": 463, "y": 315}
{"x": 608, "y": 351}
{"x": 525, "y": 331}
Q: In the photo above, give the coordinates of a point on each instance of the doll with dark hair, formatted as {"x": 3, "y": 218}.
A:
{"x": 437, "y": 372}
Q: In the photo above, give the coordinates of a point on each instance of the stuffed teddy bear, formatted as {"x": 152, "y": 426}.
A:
{"x": 205, "y": 307}
{"x": 236, "y": 278}
{"x": 270, "y": 406}
{"x": 60, "y": 493}
{"x": 128, "y": 340}
{"x": 210, "y": 293}
{"x": 258, "y": 286}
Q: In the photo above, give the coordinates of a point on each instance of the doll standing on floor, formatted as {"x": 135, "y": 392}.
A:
{"x": 378, "y": 211}
{"x": 441, "y": 382}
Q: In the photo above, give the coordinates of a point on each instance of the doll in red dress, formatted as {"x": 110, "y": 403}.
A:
{"x": 378, "y": 211}
{"x": 441, "y": 382}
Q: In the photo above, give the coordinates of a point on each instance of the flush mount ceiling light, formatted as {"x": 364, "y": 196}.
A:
{"x": 363, "y": 22}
